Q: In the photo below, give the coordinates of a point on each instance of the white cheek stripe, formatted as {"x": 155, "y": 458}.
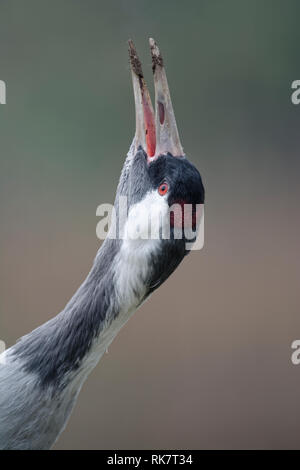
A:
{"x": 133, "y": 264}
{"x": 147, "y": 217}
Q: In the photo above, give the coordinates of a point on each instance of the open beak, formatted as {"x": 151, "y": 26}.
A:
{"x": 157, "y": 134}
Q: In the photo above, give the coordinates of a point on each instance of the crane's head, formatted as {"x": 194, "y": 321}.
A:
{"x": 164, "y": 191}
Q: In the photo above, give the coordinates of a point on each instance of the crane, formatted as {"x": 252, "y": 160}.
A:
{"x": 42, "y": 374}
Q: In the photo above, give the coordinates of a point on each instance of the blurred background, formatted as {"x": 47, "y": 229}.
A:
{"x": 206, "y": 363}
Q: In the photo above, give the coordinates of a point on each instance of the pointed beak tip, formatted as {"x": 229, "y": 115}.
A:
{"x": 157, "y": 59}
{"x": 135, "y": 62}
{"x": 153, "y": 46}
{"x": 130, "y": 45}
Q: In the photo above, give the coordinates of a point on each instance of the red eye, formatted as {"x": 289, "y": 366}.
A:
{"x": 163, "y": 189}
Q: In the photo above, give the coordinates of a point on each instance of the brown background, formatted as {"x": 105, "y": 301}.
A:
{"x": 205, "y": 363}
